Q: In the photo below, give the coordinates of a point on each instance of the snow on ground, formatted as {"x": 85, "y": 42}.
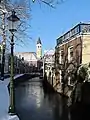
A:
{"x": 4, "y": 97}
{"x": 8, "y": 117}
{"x": 4, "y": 100}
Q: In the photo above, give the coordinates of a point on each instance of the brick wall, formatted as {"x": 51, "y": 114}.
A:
{"x": 68, "y": 65}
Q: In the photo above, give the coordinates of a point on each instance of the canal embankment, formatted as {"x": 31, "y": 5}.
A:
{"x": 48, "y": 87}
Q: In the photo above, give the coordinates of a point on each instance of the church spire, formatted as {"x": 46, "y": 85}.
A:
{"x": 39, "y": 48}
{"x": 39, "y": 41}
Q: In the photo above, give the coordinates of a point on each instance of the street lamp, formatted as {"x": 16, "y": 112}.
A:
{"x": 12, "y": 20}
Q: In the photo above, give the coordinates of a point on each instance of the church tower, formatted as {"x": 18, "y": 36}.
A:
{"x": 39, "y": 48}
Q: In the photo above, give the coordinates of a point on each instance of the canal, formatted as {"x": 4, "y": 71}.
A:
{"x": 34, "y": 102}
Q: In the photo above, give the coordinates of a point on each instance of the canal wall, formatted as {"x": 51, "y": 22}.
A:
{"x": 51, "y": 85}
{"x": 48, "y": 87}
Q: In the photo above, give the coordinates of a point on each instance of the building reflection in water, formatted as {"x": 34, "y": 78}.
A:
{"x": 34, "y": 92}
{"x": 59, "y": 106}
{"x": 35, "y": 102}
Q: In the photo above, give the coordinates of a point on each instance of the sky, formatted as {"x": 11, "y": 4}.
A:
{"x": 49, "y": 24}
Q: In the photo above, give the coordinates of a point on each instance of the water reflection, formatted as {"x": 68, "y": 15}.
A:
{"x": 35, "y": 102}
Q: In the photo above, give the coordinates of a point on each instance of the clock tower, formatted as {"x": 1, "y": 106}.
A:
{"x": 39, "y": 48}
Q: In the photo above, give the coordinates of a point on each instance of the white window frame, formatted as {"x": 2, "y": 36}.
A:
{"x": 69, "y": 57}
{"x": 60, "y": 56}
{"x": 60, "y": 72}
{"x": 69, "y": 81}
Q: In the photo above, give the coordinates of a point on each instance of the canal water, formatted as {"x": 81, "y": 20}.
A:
{"x": 35, "y": 102}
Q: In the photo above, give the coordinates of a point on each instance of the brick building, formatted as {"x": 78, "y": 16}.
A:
{"x": 72, "y": 50}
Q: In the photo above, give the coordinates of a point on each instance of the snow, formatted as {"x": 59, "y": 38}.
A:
{"x": 4, "y": 100}
{"x": 16, "y": 76}
{"x": 9, "y": 117}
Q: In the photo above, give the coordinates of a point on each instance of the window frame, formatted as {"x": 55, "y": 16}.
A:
{"x": 70, "y": 50}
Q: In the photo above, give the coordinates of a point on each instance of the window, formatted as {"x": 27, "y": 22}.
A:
{"x": 70, "y": 82}
{"x": 60, "y": 56}
{"x": 60, "y": 72}
{"x": 70, "y": 53}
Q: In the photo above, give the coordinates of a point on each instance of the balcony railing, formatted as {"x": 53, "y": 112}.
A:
{"x": 78, "y": 29}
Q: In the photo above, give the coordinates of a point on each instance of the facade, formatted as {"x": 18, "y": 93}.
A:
{"x": 20, "y": 65}
{"x": 48, "y": 65}
{"x": 29, "y": 58}
{"x": 72, "y": 50}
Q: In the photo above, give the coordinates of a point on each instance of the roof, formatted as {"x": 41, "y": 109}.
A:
{"x": 39, "y": 41}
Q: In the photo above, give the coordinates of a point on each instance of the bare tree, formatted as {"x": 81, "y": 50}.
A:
{"x": 23, "y": 10}
{"x": 50, "y": 3}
